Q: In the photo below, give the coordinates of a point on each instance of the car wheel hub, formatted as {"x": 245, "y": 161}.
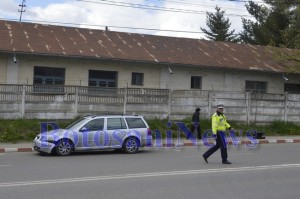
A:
{"x": 64, "y": 148}
{"x": 131, "y": 145}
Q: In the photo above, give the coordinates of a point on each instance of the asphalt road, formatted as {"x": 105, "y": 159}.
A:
{"x": 268, "y": 171}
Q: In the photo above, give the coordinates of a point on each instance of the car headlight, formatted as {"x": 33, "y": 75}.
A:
{"x": 47, "y": 139}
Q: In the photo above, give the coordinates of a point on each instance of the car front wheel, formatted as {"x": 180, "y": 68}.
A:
{"x": 131, "y": 145}
{"x": 64, "y": 147}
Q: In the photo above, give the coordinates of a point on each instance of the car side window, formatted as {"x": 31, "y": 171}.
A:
{"x": 135, "y": 123}
{"x": 95, "y": 125}
{"x": 115, "y": 123}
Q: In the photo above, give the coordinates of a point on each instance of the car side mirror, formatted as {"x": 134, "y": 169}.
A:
{"x": 83, "y": 129}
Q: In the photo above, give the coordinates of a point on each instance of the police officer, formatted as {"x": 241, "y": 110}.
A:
{"x": 219, "y": 126}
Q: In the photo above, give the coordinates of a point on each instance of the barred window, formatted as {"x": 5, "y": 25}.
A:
{"x": 48, "y": 79}
{"x": 137, "y": 79}
{"x": 49, "y": 76}
{"x": 196, "y": 82}
{"x": 101, "y": 78}
{"x": 292, "y": 88}
{"x": 256, "y": 87}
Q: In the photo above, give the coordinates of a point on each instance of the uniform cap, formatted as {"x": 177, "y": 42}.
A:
{"x": 220, "y": 106}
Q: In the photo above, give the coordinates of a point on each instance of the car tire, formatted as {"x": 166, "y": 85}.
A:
{"x": 119, "y": 150}
{"x": 64, "y": 147}
{"x": 131, "y": 145}
{"x": 44, "y": 153}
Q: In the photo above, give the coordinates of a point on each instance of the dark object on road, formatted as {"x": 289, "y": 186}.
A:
{"x": 259, "y": 135}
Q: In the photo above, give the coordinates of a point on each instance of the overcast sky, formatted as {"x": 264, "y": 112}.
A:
{"x": 128, "y": 13}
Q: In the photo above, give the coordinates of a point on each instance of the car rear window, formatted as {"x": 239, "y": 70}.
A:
{"x": 135, "y": 123}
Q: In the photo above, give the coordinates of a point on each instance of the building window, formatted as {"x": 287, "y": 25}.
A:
{"x": 292, "y": 88}
{"x": 48, "y": 79}
{"x": 137, "y": 79}
{"x": 101, "y": 78}
{"x": 196, "y": 82}
{"x": 256, "y": 87}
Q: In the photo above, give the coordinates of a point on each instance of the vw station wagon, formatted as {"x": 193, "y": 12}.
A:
{"x": 120, "y": 132}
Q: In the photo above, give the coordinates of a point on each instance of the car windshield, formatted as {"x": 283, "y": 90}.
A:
{"x": 77, "y": 124}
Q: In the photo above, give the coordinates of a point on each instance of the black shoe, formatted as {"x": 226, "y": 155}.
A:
{"x": 226, "y": 162}
{"x": 205, "y": 158}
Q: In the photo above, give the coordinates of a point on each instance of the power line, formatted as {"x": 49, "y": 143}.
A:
{"x": 201, "y": 4}
{"x": 123, "y": 4}
{"x": 94, "y": 25}
{"x": 193, "y": 3}
{"x": 118, "y": 27}
{"x": 142, "y": 6}
{"x": 22, "y": 9}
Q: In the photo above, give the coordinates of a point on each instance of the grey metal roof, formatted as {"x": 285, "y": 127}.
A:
{"x": 53, "y": 40}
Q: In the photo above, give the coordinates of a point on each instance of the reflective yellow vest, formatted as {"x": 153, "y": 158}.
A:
{"x": 219, "y": 123}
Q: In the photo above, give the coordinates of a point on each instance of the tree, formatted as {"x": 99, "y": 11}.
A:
{"x": 219, "y": 27}
{"x": 291, "y": 35}
{"x": 276, "y": 24}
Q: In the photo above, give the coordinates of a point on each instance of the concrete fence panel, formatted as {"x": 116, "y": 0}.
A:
{"x": 67, "y": 102}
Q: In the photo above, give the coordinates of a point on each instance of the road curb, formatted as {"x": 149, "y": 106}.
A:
{"x": 21, "y": 149}
{"x": 271, "y": 141}
{"x": 186, "y": 143}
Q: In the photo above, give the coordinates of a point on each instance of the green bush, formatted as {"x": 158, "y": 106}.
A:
{"x": 25, "y": 130}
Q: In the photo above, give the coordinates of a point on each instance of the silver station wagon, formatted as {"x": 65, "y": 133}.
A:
{"x": 126, "y": 133}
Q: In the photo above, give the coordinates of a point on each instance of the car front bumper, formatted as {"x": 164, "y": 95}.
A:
{"x": 42, "y": 146}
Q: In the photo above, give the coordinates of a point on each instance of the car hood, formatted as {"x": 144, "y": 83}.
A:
{"x": 58, "y": 133}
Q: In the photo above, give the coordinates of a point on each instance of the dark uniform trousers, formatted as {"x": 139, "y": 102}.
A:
{"x": 196, "y": 125}
{"x": 220, "y": 143}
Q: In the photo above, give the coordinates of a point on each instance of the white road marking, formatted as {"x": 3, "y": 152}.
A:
{"x": 143, "y": 175}
{"x": 236, "y": 154}
{"x": 200, "y": 156}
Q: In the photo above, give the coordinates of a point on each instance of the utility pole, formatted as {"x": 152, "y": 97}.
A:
{"x": 23, "y": 6}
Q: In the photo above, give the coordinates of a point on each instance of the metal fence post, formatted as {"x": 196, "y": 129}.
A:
{"x": 209, "y": 104}
{"x": 76, "y": 100}
{"x": 23, "y": 101}
{"x": 169, "y": 105}
{"x": 248, "y": 107}
{"x": 286, "y": 97}
{"x": 125, "y": 101}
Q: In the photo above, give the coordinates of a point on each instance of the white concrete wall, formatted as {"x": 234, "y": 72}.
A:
{"x": 3, "y": 70}
{"x": 77, "y": 70}
{"x": 155, "y": 75}
{"x": 176, "y": 105}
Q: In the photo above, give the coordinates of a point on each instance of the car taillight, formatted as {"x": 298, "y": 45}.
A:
{"x": 149, "y": 131}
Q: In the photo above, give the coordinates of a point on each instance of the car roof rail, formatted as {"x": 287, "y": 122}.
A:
{"x": 90, "y": 116}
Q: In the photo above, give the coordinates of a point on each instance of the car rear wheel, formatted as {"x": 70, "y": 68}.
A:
{"x": 131, "y": 145}
{"x": 64, "y": 147}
